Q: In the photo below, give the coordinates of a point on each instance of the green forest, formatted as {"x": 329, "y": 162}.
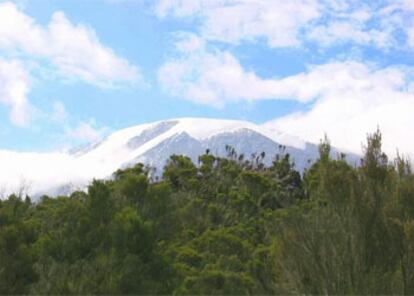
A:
{"x": 225, "y": 225}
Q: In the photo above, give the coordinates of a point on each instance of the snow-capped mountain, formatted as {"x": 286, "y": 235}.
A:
{"x": 151, "y": 144}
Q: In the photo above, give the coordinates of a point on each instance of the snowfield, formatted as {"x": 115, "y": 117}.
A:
{"x": 62, "y": 172}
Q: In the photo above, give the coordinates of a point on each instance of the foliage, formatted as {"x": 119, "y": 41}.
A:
{"x": 221, "y": 226}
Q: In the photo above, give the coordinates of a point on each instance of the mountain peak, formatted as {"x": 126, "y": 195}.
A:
{"x": 150, "y": 143}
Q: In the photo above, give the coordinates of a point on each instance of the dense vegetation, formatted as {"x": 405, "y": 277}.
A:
{"x": 224, "y": 226}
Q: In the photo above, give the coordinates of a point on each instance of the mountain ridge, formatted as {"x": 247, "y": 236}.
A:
{"x": 151, "y": 144}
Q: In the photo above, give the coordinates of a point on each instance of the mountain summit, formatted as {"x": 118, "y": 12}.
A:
{"x": 151, "y": 144}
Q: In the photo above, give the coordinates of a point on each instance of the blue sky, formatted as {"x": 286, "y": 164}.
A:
{"x": 72, "y": 71}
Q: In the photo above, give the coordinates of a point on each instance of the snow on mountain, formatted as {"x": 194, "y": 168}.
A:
{"x": 152, "y": 144}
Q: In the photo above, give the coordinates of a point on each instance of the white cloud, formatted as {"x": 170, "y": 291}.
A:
{"x": 188, "y": 42}
{"x": 409, "y": 4}
{"x": 213, "y": 77}
{"x": 59, "y": 113}
{"x": 73, "y": 132}
{"x": 85, "y": 132}
{"x": 346, "y": 99}
{"x": 73, "y": 49}
{"x": 279, "y": 22}
{"x": 354, "y": 100}
{"x": 42, "y": 173}
{"x": 411, "y": 36}
{"x": 369, "y": 24}
{"x": 295, "y": 22}
{"x": 346, "y": 31}
{"x": 14, "y": 87}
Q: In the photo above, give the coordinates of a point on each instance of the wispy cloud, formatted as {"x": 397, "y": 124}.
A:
{"x": 279, "y": 22}
{"x": 86, "y": 132}
{"x": 73, "y": 49}
{"x": 297, "y": 22}
{"x": 14, "y": 88}
{"x": 74, "y": 131}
